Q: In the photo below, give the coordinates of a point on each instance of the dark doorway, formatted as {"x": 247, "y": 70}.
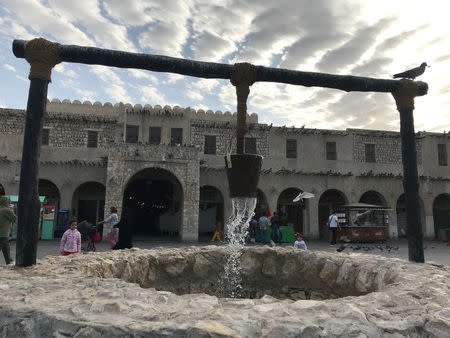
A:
{"x": 400, "y": 210}
{"x": 261, "y": 204}
{"x": 328, "y": 202}
{"x": 50, "y": 191}
{"x": 88, "y": 203}
{"x": 211, "y": 210}
{"x": 291, "y": 213}
{"x": 441, "y": 215}
{"x": 2, "y": 190}
{"x": 154, "y": 201}
{"x": 372, "y": 197}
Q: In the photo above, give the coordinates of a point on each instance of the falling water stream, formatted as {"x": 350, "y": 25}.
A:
{"x": 237, "y": 230}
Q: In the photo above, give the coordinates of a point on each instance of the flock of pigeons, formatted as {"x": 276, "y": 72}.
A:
{"x": 358, "y": 247}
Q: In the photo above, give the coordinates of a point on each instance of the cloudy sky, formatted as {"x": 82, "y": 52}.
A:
{"x": 361, "y": 37}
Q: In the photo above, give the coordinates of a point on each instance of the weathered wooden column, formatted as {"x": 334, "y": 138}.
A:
{"x": 42, "y": 56}
{"x": 242, "y": 169}
{"x": 242, "y": 77}
{"x": 404, "y": 98}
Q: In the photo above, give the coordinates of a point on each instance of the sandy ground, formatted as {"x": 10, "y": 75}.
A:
{"x": 435, "y": 251}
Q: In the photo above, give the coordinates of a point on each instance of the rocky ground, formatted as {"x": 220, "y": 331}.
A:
{"x": 170, "y": 292}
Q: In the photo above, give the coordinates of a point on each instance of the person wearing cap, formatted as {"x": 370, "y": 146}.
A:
{"x": 299, "y": 242}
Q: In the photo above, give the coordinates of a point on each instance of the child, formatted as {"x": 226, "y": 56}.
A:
{"x": 217, "y": 231}
{"x": 71, "y": 240}
{"x": 299, "y": 242}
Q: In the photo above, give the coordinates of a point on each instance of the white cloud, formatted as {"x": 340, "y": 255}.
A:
{"x": 9, "y": 67}
{"x": 142, "y": 74}
{"x": 45, "y": 22}
{"x": 194, "y": 95}
{"x": 166, "y": 30}
{"x": 87, "y": 13}
{"x": 106, "y": 74}
{"x": 117, "y": 93}
{"x": 151, "y": 95}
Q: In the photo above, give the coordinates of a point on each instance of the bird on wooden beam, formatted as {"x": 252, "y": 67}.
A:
{"x": 412, "y": 73}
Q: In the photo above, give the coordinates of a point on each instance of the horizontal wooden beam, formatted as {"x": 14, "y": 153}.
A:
{"x": 211, "y": 70}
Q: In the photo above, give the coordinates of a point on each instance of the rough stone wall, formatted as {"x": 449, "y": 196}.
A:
{"x": 72, "y": 130}
{"x": 388, "y": 148}
{"x": 390, "y": 297}
{"x": 12, "y": 121}
{"x": 66, "y": 129}
{"x": 225, "y": 133}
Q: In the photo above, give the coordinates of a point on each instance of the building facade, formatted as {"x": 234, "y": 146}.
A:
{"x": 167, "y": 166}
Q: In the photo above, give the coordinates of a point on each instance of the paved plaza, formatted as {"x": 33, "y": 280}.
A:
{"x": 435, "y": 251}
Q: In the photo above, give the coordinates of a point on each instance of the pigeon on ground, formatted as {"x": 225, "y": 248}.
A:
{"x": 341, "y": 248}
{"x": 412, "y": 73}
{"x": 303, "y": 195}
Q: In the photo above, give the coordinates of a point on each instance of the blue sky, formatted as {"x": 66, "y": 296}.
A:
{"x": 362, "y": 38}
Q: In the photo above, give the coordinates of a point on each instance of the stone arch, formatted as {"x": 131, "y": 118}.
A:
{"x": 400, "y": 210}
{"x": 291, "y": 213}
{"x": 88, "y": 202}
{"x": 261, "y": 204}
{"x": 211, "y": 209}
{"x": 441, "y": 213}
{"x": 328, "y": 201}
{"x": 154, "y": 200}
{"x": 373, "y": 197}
{"x": 2, "y": 190}
{"x": 51, "y": 192}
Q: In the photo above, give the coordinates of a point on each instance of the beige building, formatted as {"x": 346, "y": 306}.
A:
{"x": 167, "y": 165}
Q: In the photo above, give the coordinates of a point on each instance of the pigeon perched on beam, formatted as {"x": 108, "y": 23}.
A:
{"x": 303, "y": 195}
{"x": 412, "y": 73}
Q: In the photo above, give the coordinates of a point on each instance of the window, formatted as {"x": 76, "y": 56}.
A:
{"x": 291, "y": 148}
{"x": 370, "y": 152}
{"x": 176, "y": 136}
{"x": 154, "y": 135}
{"x": 132, "y": 134}
{"x": 210, "y": 144}
{"x": 442, "y": 154}
{"x": 331, "y": 151}
{"x": 45, "y": 137}
{"x": 92, "y": 139}
{"x": 250, "y": 145}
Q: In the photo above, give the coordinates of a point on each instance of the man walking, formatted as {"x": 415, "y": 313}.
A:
{"x": 275, "y": 223}
{"x": 333, "y": 226}
{"x": 263, "y": 223}
{"x": 7, "y": 218}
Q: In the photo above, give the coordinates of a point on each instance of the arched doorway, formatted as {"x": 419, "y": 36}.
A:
{"x": 88, "y": 202}
{"x": 328, "y": 202}
{"x": 261, "y": 204}
{"x": 441, "y": 213}
{"x": 291, "y": 214}
{"x": 50, "y": 191}
{"x": 154, "y": 199}
{"x": 210, "y": 210}
{"x": 400, "y": 210}
{"x": 2, "y": 190}
{"x": 373, "y": 197}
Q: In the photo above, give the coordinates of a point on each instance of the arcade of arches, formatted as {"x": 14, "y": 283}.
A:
{"x": 154, "y": 198}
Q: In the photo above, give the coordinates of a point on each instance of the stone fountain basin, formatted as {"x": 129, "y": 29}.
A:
{"x": 170, "y": 292}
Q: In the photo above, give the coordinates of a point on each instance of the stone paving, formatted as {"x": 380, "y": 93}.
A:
{"x": 435, "y": 251}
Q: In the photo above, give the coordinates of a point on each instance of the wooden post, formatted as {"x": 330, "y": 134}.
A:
{"x": 404, "y": 98}
{"x": 242, "y": 77}
{"x": 42, "y": 56}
